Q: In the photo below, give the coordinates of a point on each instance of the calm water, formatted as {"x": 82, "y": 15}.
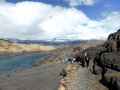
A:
{"x": 18, "y": 62}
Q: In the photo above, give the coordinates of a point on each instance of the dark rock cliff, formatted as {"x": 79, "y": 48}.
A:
{"x": 107, "y": 58}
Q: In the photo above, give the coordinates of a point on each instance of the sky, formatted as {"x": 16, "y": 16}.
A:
{"x": 58, "y": 19}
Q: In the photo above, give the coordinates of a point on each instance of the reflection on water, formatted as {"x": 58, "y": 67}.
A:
{"x": 12, "y": 63}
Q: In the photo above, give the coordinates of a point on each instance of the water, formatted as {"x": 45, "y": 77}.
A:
{"x": 18, "y": 62}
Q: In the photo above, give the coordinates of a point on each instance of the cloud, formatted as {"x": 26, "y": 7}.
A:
{"x": 81, "y": 2}
{"x": 39, "y": 21}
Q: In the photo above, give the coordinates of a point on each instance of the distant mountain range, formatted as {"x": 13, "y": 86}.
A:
{"x": 49, "y": 42}
{"x": 54, "y": 42}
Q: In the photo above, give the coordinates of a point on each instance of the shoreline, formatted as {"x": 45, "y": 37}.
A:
{"x": 20, "y": 53}
{"x": 33, "y": 79}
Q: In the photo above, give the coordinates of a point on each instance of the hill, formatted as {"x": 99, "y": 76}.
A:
{"x": 8, "y": 47}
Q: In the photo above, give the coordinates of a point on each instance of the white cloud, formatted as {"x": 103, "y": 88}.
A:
{"x": 81, "y": 2}
{"x": 39, "y": 21}
{"x": 111, "y": 21}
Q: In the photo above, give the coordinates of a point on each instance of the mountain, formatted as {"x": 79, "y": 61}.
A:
{"x": 47, "y": 42}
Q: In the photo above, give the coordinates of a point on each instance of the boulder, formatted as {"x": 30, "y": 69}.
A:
{"x": 106, "y": 58}
{"x": 111, "y": 60}
{"x": 112, "y": 81}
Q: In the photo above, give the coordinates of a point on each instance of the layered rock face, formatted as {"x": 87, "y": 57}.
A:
{"x": 111, "y": 60}
{"x": 106, "y": 61}
{"x": 114, "y": 41}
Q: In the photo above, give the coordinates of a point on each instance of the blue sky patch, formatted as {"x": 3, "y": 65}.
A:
{"x": 93, "y": 11}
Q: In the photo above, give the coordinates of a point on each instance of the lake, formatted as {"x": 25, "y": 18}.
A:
{"x": 11, "y": 63}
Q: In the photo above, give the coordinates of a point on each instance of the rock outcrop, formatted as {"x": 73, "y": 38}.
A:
{"x": 105, "y": 60}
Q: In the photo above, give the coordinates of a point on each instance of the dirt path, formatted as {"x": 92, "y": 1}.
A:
{"x": 81, "y": 79}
